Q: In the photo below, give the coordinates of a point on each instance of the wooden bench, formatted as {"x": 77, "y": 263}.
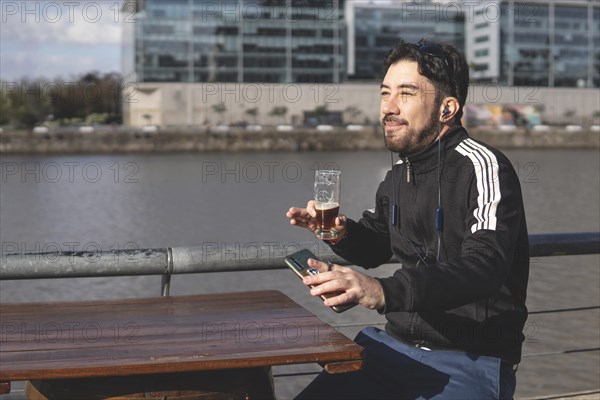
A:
{"x": 227, "y": 332}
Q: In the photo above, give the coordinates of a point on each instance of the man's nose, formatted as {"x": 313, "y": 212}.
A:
{"x": 389, "y": 106}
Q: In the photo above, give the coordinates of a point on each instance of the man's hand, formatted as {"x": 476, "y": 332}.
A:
{"x": 354, "y": 286}
{"x": 307, "y": 218}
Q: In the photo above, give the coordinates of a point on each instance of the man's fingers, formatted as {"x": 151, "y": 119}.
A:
{"x": 303, "y": 224}
{"x": 296, "y": 212}
{"x": 311, "y": 209}
{"x": 300, "y": 217}
{"x": 322, "y": 266}
{"x": 340, "y": 224}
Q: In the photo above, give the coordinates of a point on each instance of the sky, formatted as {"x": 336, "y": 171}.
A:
{"x": 64, "y": 39}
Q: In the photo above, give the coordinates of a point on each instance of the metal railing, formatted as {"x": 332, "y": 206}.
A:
{"x": 214, "y": 258}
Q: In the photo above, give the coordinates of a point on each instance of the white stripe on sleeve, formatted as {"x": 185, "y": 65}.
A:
{"x": 485, "y": 165}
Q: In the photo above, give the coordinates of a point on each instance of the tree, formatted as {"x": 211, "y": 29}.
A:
{"x": 219, "y": 109}
{"x": 321, "y": 109}
{"x": 92, "y": 95}
{"x": 253, "y": 113}
{"x": 148, "y": 118}
{"x": 352, "y": 112}
{"x": 279, "y": 111}
{"x": 25, "y": 103}
{"x": 5, "y": 106}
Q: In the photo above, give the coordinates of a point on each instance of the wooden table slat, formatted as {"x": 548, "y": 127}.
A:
{"x": 214, "y": 341}
{"x": 131, "y": 328}
{"x": 222, "y": 300}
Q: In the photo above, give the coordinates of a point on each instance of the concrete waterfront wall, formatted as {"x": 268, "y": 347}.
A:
{"x": 176, "y": 140}
{"x": 267, "y": 140}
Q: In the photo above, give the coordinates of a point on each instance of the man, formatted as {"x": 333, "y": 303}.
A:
{"x": 451, "y": 211}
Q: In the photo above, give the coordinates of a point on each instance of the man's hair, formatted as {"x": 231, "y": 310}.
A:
{"x": 440, "y": 62}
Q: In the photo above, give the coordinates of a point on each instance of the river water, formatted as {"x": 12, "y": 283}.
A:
{"x": 92, "y": 202}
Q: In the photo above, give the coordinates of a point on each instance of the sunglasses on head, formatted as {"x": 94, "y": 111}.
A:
{"x": 433, "y": 50}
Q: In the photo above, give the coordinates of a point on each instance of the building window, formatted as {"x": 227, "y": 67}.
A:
{"x": 481, "y": 53}
{"x": 481, "y": 39}
{"x": 281, "y": 32}
{"x": 304, "y": 32}
{"x": 159, "y": 29}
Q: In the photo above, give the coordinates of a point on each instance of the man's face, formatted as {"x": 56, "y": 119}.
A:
{"x": 409, "y": 111}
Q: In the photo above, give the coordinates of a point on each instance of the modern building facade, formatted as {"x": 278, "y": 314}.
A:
{"x": 510, "y": 42}
{"x": 553, "y": 43}
{"x": 271, "y": 41}
{"x": 374, "y": 27}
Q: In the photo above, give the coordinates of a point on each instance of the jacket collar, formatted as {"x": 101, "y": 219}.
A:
{"x": 428, "y": 157}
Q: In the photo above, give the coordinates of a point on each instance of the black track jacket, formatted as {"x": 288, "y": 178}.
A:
{"x": 473, "y": 297}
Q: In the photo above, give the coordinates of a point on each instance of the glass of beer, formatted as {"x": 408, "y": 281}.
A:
{"x": 327, "y": 199}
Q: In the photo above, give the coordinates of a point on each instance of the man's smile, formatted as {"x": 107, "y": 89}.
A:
{"x": 391, "y": 122}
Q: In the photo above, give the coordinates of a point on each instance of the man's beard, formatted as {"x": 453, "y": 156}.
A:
{"x": 412, "y": 141}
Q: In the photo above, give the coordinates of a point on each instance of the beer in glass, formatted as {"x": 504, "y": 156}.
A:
{"x": 327, "y": 202}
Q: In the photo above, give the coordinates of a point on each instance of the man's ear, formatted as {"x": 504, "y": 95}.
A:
{"x": 449, "y": 108}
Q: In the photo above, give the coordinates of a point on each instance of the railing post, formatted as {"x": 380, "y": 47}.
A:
{"x": 165, "y": 284}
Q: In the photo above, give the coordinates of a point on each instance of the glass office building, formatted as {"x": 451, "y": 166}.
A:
{"x": 234, "y": 41}
{"x": 536, "y": 43}
{"x": 510, "y": 42}
{"x": 375, "y": 27}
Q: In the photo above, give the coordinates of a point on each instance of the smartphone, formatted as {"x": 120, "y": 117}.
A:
{"x": 298, "y": 262}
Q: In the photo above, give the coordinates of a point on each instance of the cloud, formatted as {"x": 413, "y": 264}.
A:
{"x": 59, "y": 38}
{"x": 93, "y": 34}
{"x": 51, "y": 66}
{"x": 89, "y": 23}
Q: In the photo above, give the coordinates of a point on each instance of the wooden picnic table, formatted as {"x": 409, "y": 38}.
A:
{"x": 165, "y": 335}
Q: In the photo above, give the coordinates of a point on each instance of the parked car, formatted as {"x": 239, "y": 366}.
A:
{"x": 253, "y": 128}
{"x": 324, "y": 128}
{"x": 354, "y": 127}
{"x": 284, "y": 128}
{"x": 40, "y": 129}
{"x": 149, "y": 128}
{"x": 86, "y": 129}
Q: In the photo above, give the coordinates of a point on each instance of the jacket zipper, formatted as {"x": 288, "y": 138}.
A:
{"x": 408, "y": 180}
{"x": 412, "y": 324}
